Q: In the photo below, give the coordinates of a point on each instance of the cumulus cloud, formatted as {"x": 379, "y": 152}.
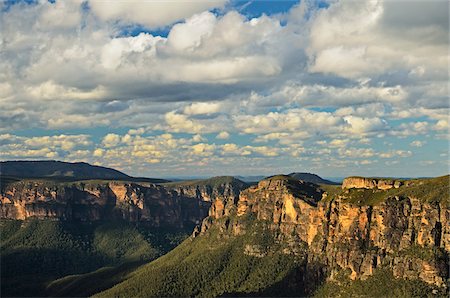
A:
{"x": 153, "y": 14}
{"x": 396, "y": 153}
{"x": 181, "y": 123}
{"x": 417, "y": 143}
{"x": 203, "y": 149}
{"x": 367, "y": 38}
{"x": 292, "y": 120}
{"x": 223, "y": 135}
{"x": 312, "y": 85}
{"x": 200, "y": 108}
{"x": 361, "y": 125}
{"x": 111, "y": 140}
{"x": 56, "y": 146}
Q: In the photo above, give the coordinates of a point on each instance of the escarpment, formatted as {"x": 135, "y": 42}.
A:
{"x": 404, "y": 228}
{"x": 221, "y": 192}
{"x": 373, "y": 183}
{"x": 209, "y": 189}
{"x": 93, "y": 201}
{"x": 173, "y": 204}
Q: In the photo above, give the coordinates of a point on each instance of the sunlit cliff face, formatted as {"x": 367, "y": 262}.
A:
{"x": 356, "y": 229}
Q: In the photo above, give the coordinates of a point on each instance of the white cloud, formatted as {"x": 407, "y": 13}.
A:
{"x": 417, "y": 143}
{"x": 263, "y": 150}
{"x": 203, "y": 149}
{"x": 411, "y": 129}
{"x": 442, "y": 125}
{"x": 233, "y": 149}
{"x": 51, "y": 90}
{"x": 338, "y": 143}
{"x": 153, "y": 14}
{"x": 223, "y": 135}
{"x": 290, "y": 121}
{"x": 200, "y": 108}
{"x": 357, "y": 152}
{"x": 347, "y": 76}
{"x": 359, "y": 125}
{"x": 111, "y": 140}
{"x": 61, "y": 14}
{"x": 181, "y": 123}
{"x": 363, "y": 39}
{"x": 18, "y": 147}
{"x": 188, "y": 36}
{"x": 98, "y": 152}
{"x": 396, "y": 153}
{"x": 198, "y": 138}
{"x": 118, "y": 50}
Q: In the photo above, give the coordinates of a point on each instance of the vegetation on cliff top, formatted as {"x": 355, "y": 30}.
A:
{"x": 211, "y": 182}
{"x": 431, "y": 190}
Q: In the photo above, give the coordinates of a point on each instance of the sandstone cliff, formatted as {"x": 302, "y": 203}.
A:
{"x": 373, "y": 183}
{"x": 99, "y": 200}
{"x": 175, "y": 204}
{"x": 222, "y": 192}
{"x": 355, "y": 231}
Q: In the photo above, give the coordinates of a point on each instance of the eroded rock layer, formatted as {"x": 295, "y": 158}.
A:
{"x": 92, "y": 201}
{"x": 373, "y": 183}
{"x": 354, "y": 231}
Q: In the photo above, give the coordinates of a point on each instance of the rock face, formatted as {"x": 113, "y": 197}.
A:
{"x": 222, "y": 192}
{"x": 406, "y": 234}
{"x": 172, "y": 205}
{"x": 100, "y": 201}
{"x": 372, "y": 183}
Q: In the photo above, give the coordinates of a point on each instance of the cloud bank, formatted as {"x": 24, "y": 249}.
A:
{"x": 346, "y": 85}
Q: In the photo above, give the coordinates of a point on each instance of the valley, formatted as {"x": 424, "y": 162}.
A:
{"x": 282, "y": 236}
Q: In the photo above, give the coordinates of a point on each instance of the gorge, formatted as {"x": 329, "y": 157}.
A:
{"x": 281, "y": 236}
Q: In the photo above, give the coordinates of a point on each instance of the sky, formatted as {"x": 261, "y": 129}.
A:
{"x": 204, "y": 88}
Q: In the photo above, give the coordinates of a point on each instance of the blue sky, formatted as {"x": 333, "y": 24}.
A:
{"x": 196, "y": 88}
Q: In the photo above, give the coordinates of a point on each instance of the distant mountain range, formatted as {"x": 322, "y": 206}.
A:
{"x": 59, "y": 170}
{"x": 67, "y": 171}
{"x": 313, "y": 178}
{"x": 307, "y": 177}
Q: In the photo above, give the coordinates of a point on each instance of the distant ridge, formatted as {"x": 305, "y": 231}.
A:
{"x": 250, "y": 178}
{"x": 52, "y": 169}
{"x": 213, "y": 182}
{"x": 313, "y": 178}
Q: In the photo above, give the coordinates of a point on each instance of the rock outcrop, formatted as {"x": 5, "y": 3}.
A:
{"x": 222, "y": 192}
{"x": 406, "y": 233}
{"x": 92, "y": 201}
{"x": 170, "y": 205}
{"x": 372, "y": 183}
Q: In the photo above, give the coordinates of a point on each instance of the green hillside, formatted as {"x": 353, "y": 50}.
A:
{"x": 218, "y": 264}
{"x": 381, "y": 284}
{"x": 34, "y": 253}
